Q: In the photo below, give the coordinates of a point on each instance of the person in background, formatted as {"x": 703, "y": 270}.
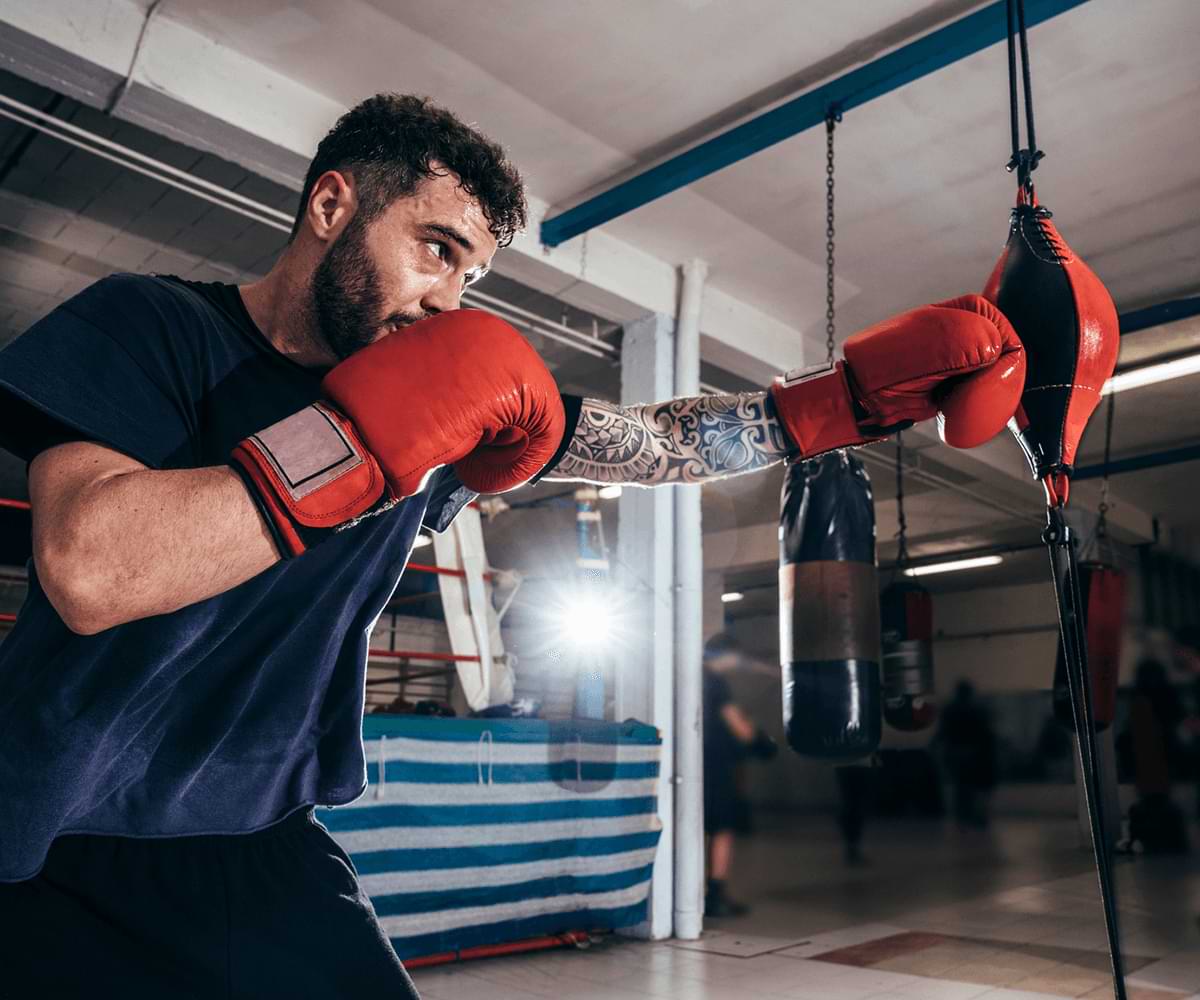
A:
{"x": 1156, "y": 723}
{"x": 730, "y": 736}
{"x": 854, "y": 793}
{"x": 1187, "y": 661}
{"x": 969, "y": 746}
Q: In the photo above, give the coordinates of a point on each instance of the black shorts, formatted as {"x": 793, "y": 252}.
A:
{"x": 277, "y": 913}
{"x": 725, "y": 808}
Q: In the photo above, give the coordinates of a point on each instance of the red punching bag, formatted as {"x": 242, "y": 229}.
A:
{"x": 906, "y": 614}
{"x": 1103, "y": 591}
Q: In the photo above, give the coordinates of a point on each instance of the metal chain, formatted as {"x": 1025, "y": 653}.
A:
{"x": 831, "y": 121}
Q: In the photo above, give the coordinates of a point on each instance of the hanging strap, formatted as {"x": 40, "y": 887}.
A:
{"x": 1102, "y": 521}
{"x": 1024, "y": 161}
{"x": 1104, "y": 547}
{"x": 902, "y": 533}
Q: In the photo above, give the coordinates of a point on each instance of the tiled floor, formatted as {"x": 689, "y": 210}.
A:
{"x": 1007, "y": 915}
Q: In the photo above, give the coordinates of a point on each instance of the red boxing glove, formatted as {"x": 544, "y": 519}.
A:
{"x": 462, "y": 388}
{"x": 959, "y": 360}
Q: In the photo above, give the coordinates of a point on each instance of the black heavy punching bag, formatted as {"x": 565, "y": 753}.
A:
{"x": 906, "y": 614}
{"x": 829, "y": 609}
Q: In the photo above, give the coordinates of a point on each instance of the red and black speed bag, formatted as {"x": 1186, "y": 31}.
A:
{"x": 1068, "y": 323}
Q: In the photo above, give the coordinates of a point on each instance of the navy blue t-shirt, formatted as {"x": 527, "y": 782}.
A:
{"x": 231, "y": 713}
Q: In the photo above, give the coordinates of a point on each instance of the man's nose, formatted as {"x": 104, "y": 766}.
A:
{"x": 442, "y": 297}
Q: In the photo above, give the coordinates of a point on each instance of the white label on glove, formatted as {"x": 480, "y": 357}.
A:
{"x": 798, "y": 375}
{"x": 307, "y": 450}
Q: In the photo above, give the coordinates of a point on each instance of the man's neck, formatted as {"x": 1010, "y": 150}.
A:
{"x": 280, "y": 305}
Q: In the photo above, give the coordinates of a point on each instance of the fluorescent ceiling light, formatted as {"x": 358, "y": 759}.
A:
{"x": 731, "y": 596}
{"x": 421, "y": 541}
{"x": 1135, "y": 378}
{"x": 953, "y": 564}
{"x": 609, "y": 492}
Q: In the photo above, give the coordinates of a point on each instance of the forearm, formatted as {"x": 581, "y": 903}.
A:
{"x": 690, "y": 440}
{"x": 143, "y": 542}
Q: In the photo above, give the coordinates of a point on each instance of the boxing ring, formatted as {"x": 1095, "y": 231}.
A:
{"x": 474, "y": 832}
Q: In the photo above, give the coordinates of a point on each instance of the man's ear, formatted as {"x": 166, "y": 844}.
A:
{"x": 331, "y": 203}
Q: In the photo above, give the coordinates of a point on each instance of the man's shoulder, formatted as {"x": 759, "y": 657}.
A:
{"x": 147, "y": 312}
{"x": 122, "y": 291}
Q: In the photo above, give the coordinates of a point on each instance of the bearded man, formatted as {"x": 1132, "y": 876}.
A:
{"x": 226, "y": 483}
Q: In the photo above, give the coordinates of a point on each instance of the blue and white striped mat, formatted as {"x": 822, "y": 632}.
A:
{"x": 478, "y": 831}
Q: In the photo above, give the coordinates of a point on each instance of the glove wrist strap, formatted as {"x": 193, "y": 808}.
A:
{"x": 310, "y": 475}
{"x": 817, "y": 409}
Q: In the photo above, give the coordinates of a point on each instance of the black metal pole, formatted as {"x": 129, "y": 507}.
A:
{"x": 1061, "y": 545}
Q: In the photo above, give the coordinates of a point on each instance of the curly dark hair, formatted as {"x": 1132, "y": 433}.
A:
{"x": 721, "y": 644}
{"x": 390, "y": 142}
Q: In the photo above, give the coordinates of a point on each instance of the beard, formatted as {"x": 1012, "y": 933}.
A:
{"x": 347, "y": 300}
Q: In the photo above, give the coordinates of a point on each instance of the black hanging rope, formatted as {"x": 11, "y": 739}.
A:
{"x": 1059, "y": 539}
{"x": 1102, "y": 511}
{"x": 902, "y": 533}
{"x": 1065, "y": 570}
{"x": 1024, "y": 161}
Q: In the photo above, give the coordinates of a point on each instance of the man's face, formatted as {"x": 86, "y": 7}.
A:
{"x": 410, "y": 262}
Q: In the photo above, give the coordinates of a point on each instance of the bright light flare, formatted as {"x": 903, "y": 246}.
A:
{"x": 731, "y": 596}
{"x": 587, "y": 620}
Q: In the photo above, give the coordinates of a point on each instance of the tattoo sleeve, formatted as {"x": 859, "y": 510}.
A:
{"x": 689, "y": 440}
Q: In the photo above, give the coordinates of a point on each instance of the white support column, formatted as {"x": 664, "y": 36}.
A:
{"x": 714, "y": 607}
{"x": 645, "y": 678}
{"x": 689, "y": 638}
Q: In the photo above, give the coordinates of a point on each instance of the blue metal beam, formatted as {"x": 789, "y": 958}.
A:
{"x": 917, "y": 59}
{"x": 1153, "y": 460}
{"x": 1164, "y": 312}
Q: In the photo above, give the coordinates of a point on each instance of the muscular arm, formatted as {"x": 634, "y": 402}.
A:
{"x": 741, "y": 727}
{"x": 690, "y": 440}
{"x": 114, "y": 541}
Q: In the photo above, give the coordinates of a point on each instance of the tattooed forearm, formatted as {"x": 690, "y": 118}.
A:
{"x": 689, "y": 440}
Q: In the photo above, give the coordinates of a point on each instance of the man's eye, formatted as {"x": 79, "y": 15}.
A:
{"x": 441, "y": 250}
